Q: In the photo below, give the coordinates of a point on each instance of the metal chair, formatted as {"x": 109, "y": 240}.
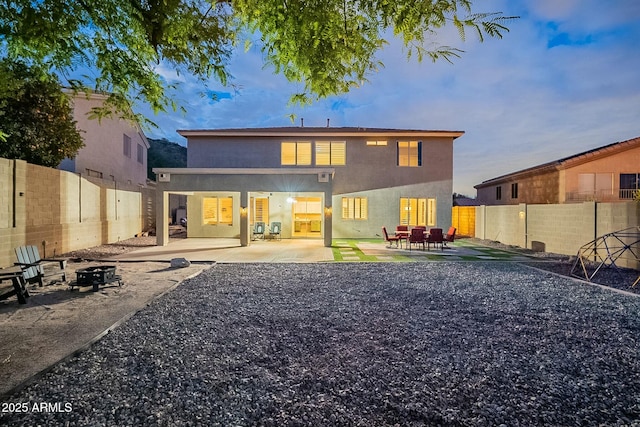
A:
{"x": 391, "y": 239}
{"x": 258, "y": 231}
{"x": 435, "y": 237}
{"x": 416, "y": 237}
{"x": 450, "y": 236}
{"x": 275, "y": 230}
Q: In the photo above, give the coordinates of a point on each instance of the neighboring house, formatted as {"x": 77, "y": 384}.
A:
{"x": 606, "y": 174}
{"x": 115, "y": 149}
{"x": 465, "y": 201}
{"x": 317, "y": 182}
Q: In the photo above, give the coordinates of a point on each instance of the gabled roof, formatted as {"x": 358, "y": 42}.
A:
{"x": 320, "y": 131}
{"x": 566, "y": 162}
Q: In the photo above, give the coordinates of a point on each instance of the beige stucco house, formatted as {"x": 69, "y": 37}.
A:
{"x": 317, "y": 182}
{"x": 115, "y": 149}
{"x": 605, "y": 174}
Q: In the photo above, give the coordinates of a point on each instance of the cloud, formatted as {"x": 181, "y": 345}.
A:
{"x": 562, "y": 81}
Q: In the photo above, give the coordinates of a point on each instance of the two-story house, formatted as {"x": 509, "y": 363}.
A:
{"x": 115, "y": 149}
{"x": 606, "y": 174}
{"x": 317, "y": 182}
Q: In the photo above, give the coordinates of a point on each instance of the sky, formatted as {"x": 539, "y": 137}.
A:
{"x": 565, "y": 79}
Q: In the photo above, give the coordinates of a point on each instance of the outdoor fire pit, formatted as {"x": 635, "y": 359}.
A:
{"x": 96, "y": 276}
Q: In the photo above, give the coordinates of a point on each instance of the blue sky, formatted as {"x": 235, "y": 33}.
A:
{"x": 565, "y": 79}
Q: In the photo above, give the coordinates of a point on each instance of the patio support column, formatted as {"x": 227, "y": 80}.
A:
{"x": 162, "y": 224}
{"x": 328, "y": 217}
{"x": 244, "y": 218}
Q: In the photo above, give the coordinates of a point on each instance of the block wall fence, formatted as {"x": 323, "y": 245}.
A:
{"x": 61, "y": 211}
{"x": 559, "y": 228}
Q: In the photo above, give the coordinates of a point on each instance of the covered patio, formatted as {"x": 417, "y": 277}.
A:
{"x": 222, "y": 202}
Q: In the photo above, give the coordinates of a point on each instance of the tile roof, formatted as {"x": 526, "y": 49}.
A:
{"x": 568, "y": 161}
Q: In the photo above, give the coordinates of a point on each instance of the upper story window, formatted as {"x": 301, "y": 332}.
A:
{"x": 499, "y": 192}
{"x": 295, "y": 153}
{"x": 140, "y": 154}
{"x": 629, "y": 184}
{"x": 376, "y": 142}
{"x": 331, "y": 153}
{"x": 126, "y": 145}
{"x": 410, "y": 153}
{"x": 514, "y": 190}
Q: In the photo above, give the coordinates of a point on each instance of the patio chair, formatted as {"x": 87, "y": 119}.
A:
{"x": 402, "y": 229}
{"x": 35, "y": 269}
{"x": 258, "y": 231}
{"x": 275, "y": 230}
{"x": 450, "y": 236}
{"x": 391, "y": 239}
{"x": 435, "y": 237}
{"x": 416, "y": 237}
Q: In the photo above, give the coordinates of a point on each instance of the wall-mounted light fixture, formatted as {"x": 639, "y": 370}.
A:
{"x": 243, "y": 211}
{"x": 328, "y": 210}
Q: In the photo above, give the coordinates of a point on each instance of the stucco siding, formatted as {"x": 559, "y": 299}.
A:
{"x": 103, "y": 154}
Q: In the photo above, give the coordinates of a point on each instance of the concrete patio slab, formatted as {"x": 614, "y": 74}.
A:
{"x": 229, "y": 250}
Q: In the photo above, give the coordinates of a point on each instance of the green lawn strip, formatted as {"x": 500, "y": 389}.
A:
{"x": 338, "y": 247}
{"x": 338, "y": 254}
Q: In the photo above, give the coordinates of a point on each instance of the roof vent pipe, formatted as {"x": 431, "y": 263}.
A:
{"x": 327, "y": 122}
{"x": 301, "y": 122}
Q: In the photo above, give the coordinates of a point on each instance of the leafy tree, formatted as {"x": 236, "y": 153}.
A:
{"x": 329, "y": 46}
{"x": 35, "y": 115}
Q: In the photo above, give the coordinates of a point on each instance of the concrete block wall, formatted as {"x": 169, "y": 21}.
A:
{"x": 504, "y": 224}
{"x": 560, "y": 229}
{"x": 60, "y": 211}
{"x": 42, "y": 196}
{"x": 557, "y": 228}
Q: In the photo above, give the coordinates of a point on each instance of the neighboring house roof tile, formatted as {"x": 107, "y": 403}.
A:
{"x": 566, "y": 162}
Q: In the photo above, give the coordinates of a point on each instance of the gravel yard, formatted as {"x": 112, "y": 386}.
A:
{"x": 409, "y": 344}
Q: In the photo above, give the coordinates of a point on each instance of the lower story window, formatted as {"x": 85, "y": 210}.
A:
{"x": 260, "y": 211}
{"x": 417, "y": 211}
{"x": 354, "y": 208}
{"x": 217, "y": 210}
